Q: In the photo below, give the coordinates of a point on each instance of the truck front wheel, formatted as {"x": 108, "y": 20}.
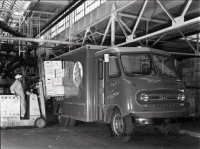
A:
{"x": 121, "y": 126}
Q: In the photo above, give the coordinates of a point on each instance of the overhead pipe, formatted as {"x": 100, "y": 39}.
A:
{"x": 10, "y": 30}
{"x": 61, "y": 15}
{"x": 38, "y": 40}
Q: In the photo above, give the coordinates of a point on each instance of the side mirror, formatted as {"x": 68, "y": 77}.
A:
{"x": 106, "y": 58}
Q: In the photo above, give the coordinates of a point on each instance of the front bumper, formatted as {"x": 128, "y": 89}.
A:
{"x": 161, "y": 114}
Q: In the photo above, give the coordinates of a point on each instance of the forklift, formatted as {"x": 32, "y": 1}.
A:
{"x": 35, "y": 112}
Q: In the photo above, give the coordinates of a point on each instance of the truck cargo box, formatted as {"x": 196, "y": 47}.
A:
{"x": 80, "y": 78}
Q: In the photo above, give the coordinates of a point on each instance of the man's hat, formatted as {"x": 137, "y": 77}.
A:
{"x": 18, "y": 76}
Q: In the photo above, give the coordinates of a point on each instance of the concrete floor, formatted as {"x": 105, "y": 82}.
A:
{"x": 88, "y": 136}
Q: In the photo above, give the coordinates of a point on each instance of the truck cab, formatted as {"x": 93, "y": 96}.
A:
{"x": 140, "y": 86}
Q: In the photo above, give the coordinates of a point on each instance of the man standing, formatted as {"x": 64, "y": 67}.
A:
{"x": 16, "y": 88}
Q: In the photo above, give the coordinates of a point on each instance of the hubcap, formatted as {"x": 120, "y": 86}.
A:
{"x": 118, "y": 125}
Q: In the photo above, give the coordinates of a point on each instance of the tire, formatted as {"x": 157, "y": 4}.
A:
{"x": 121, "y": 127}
{"x": 71, "y": 122}
{"x": 168, "y": 129}
{"x": 40, "y": 122}
{"x": 65, "y": 121}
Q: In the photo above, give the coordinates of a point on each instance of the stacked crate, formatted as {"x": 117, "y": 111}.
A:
{"x": 53, "y": 78}
{"x": 189, "y": 70}
{"x": 9, "y": 110}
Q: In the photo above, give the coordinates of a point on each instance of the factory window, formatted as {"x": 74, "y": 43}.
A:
{"x": 61, "y": 23}
{"x": 66, "y": 21}
{"x": 91, "y": 5}
{"x": 79, "y": 12}
{"x": 114, "y": 70}
{"x": 74, "y": 16}
{"x": 103, "y": 1}
{"x": 61, "y": 26}
{"x": 53, "y": 32}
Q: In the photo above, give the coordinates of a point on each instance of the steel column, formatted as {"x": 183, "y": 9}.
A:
{"x": 106, "y": 31}
{"x": 198, "y": 40}
{"x": 93, "y": 37}
{"x": 138, "y": 20}
{"x": 186, "y": 7}
{"x": 121, "y": 27}
{"x": 112, "y": 29}
{"x": 158, "y": 40}
{"x": 167, "y": 12}
{"x": 124, "y": 24}
{"x": 85, "y": 36}
{"x": 188, "y": 42}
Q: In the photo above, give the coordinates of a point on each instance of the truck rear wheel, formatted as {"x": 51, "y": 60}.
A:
{"x": 121, "y": 126}
{"x": 65, "y": 121}
{"x": 71, "y": 122}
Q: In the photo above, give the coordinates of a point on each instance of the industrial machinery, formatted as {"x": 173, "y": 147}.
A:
{"x": 10, "y": 111}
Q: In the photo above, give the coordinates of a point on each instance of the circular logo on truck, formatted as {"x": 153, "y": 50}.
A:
{"x": 77, "y": 74}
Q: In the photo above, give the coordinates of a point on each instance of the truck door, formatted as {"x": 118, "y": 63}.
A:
{"x": 101, "y": 65}
{"x": 109, "y": 73}
{"x": 111, "y": 79}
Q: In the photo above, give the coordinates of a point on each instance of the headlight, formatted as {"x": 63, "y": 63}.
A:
{"x": 181, "y": 97}
{"x": 143, "y": 97}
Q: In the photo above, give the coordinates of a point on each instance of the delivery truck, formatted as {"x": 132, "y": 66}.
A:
{"x": 126, "y": 87}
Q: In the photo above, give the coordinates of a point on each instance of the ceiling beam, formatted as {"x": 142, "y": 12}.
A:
{"x": 142, "y": 18}
{"x": 37, "y": 40}
{"x": 25, "y": 10}
{"x": 32, "y": 18}
{"x": 9, "y": 14}
{"x": 60, "y": 2}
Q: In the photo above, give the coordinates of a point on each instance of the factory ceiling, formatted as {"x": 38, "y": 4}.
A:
{"x": 25, "y": 18}
{"x": 23, "y": 15}
{"x": 34, "y": 18}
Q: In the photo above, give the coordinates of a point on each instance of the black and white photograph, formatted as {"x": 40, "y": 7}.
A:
{"x": 99, "y": 74}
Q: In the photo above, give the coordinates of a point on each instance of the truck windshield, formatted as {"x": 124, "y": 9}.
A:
{"x": 137, "y": 64}
{"x": 164, "y": 65}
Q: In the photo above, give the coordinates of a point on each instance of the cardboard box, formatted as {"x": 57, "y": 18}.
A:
{"x": 56, "y": 64}
{"x": 59, "y": 90}
{"x": 49, "y": 82}
{"x": 50, "y": 73}
{"x": 60, "y": 73}
{"x": 47, "y": 65}
{"x": 10, "y": 106}
{"x": 57, "y": 81}
{"x": 50, "y": 92}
